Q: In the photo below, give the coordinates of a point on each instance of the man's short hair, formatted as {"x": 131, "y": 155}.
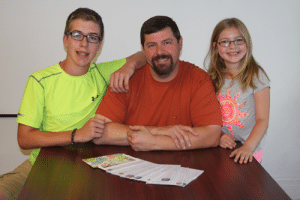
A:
{"x": 87, "y": 15}
{"x": 159, "y": 23}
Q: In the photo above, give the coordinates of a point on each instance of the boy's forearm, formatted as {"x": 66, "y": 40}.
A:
{"x": 34, "y": 138}
{"x": 137, "y": 60}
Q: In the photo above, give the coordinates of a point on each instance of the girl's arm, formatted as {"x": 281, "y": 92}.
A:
{"x": 262, "y": 110}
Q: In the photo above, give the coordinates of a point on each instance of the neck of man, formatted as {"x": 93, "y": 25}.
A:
{"x": 72, "y": 69}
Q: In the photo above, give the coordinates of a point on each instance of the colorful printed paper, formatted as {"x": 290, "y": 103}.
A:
{"x": 129, "y": 167}
{"x": 110, "y": 161}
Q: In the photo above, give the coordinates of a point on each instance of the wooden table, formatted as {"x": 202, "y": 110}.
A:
{"x": 60, "y": 173}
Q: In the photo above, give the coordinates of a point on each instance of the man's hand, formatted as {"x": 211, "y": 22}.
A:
{"x": 139, "y": 138}
{"x": 227, "y": 141}
{"x": 119, "y": 80}
{"x": 92, "y": 129}
{"x": 179, "y": 134}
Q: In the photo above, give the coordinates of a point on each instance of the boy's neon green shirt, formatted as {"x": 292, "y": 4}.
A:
{"x": 56, "y": 101}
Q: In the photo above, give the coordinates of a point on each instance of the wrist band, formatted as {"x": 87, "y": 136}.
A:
{"x": 72, "y": 136}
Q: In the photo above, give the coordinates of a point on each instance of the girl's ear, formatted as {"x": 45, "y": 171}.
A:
{"x": 215, "y": 45}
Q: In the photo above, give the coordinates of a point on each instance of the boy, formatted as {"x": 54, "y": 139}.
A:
{"x": 59, "y": 102}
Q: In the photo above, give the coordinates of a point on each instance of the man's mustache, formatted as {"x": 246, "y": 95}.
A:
{"x": 163, "y": 56}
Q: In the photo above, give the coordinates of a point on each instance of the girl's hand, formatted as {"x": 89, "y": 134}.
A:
{"x": 244, "y": 154}
{"x": 227, "y": 141}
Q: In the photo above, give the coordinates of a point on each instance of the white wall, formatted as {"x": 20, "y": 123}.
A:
{"x": 31, "y": 39}
{"x": 11, "y": 155}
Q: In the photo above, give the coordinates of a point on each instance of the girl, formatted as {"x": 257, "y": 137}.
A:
{"x": 242, "y": 87}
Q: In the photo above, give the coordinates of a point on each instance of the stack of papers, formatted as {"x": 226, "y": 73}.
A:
{"x": 137, "y": 169}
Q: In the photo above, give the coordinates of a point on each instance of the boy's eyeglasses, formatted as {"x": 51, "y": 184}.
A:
{"x": 226, "y": 43}
{"x": 77, "y": 35}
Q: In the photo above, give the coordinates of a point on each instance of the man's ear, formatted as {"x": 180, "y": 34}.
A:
{"x": 180, "y": 43}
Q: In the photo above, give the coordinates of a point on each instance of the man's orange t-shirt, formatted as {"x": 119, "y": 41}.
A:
{"x": 189, "y": 99}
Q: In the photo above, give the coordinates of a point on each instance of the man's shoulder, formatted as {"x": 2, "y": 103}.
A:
{"x": 47, "y": 72}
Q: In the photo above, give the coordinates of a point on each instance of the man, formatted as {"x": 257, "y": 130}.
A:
{"x": 59, "y": 102}
{"x": 171, "y": 103}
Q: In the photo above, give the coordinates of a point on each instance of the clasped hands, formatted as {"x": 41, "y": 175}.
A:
{"x": 141, "y": 138}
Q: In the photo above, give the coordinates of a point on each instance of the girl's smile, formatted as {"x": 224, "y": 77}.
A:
{"x": 232, "y": 54}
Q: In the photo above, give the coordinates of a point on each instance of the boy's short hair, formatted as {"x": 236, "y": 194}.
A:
{"x": 87, "y": 15}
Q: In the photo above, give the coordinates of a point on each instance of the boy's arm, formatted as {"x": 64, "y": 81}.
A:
{"x": 29, "y": 137}
{"x": 119, "y": 81}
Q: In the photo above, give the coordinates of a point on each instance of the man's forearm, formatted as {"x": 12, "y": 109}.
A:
{"x": 114, "y": 134}
{"x": 208, "y": 136}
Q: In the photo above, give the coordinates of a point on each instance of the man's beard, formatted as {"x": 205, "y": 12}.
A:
{"x": 163, "y": 69}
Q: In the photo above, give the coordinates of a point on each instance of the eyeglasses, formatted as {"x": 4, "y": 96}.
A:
{"x": 77, "y": 35}
{"x": 226, "y": 43}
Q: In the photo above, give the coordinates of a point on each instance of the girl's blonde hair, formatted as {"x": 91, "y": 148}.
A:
{"x": 217, "y": 69}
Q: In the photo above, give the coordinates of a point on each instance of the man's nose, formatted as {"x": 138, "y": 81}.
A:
{"x": 159, "y": 49}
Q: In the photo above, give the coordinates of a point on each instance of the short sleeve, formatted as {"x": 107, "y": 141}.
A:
{"x": 262, "y": 83}
{"x": 205, "y": 108}
{"x": 108, "y": 68}
{"x": 32, "y": 105}
{"x": 114, "y": 106}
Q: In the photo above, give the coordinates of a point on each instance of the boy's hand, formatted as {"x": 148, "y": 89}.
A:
{"x": 119, "y": 80}
{"x": 93, "y": 128}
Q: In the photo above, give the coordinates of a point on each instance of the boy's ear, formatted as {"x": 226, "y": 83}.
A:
{"x": 65, "y": 38}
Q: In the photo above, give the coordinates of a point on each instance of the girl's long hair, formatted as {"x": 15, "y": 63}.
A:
{"x": 216, "y": 67}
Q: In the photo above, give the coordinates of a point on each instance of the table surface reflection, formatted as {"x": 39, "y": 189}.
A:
{"x": 60, "y": 173}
